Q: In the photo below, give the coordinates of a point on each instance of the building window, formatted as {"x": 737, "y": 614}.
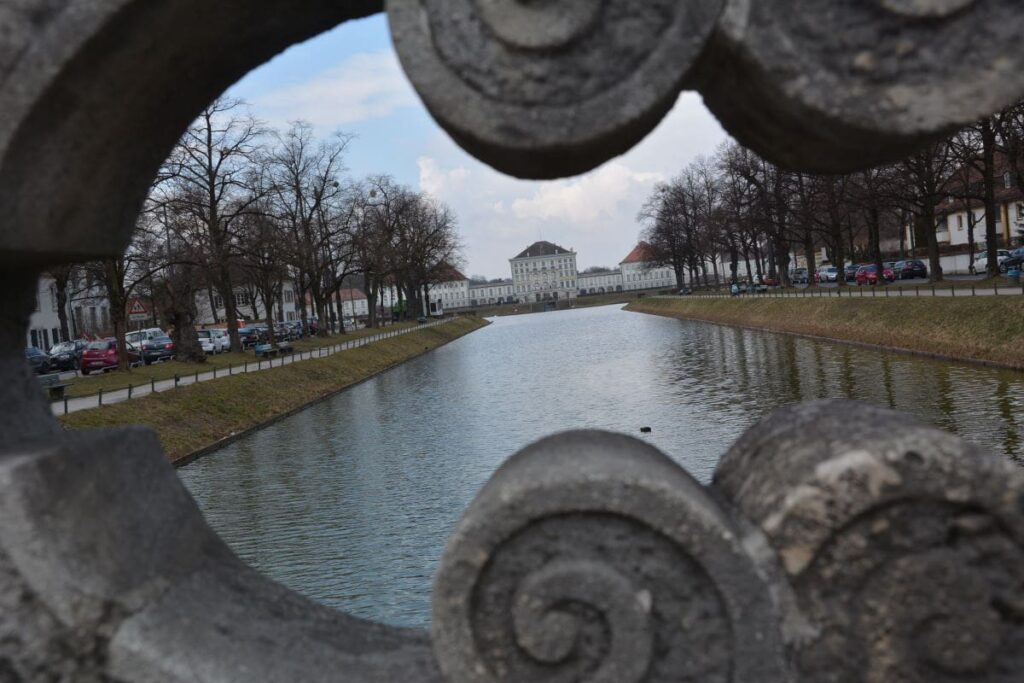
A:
{"x": 289, "y": 296}
{"x": 218, "y": 301}
{"x": 959, "y": 222}
{"x": 1007, "y": 180}
{"x": 241, "y": 298}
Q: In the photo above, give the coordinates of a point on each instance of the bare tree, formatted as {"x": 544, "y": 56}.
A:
{"x": 212, "y": 173}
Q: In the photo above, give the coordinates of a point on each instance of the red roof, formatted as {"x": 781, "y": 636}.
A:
{"x": 642, "y": 253}
{"x": 445, "y": 272}
{"x": 350, "y": 295}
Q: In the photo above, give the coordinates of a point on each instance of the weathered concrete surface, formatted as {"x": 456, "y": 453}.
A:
{"x": 840, "y": 86}
{"x": 107, "y": 568}
{"x": 592, "y": 556}
{"x": 94, "y": 93}
{"x": 902, "y": 543}
{"x": 545, "y": 90}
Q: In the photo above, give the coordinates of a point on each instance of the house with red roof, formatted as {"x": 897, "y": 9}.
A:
{"x": 640, "y": 270}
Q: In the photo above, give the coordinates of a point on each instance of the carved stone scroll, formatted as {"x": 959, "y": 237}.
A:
{"x": 593, "y": 557}
{"x": 826, "y": 86}
{"x": 548, "y": 89}
{"x": 903, "y": 544}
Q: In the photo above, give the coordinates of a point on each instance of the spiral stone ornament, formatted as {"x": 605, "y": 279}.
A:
{"x": 834, "y": 86}
{"x": 592, "y": 557}
{"x": 903, "y": 545}
{"x": 544, "y": 89}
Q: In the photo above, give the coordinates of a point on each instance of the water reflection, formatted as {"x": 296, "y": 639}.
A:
{"x": 351, "y": 501}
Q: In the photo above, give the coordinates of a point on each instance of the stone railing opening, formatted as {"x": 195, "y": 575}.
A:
{"x": 838, "y": 542}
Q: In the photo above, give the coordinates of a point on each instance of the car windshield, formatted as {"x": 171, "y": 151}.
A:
{"x": 204, "y": 334}
{"x": 100, "y": 345}
{"x": 32, "y": 351}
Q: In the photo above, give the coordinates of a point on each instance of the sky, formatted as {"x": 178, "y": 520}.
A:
{"x": 349, "y": 80}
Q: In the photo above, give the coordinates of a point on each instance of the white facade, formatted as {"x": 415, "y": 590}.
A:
{"x": 600, "y": 283}
{"x": 286, "y": 308}
{"x": 491, "y": 293}
{"x": 452, "y": 294}
{"x": 44, "y": 323}
{"x": 953, "y": 227}
{"x": 544, "y": 272}
{"x": 88, "y": 312}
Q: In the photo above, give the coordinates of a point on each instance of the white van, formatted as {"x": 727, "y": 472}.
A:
{"x": 136, "y": 338}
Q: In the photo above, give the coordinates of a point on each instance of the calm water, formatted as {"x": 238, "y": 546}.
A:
{"x": 350, "y": 502}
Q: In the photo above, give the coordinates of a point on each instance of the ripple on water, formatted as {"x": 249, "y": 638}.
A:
{"x": 351, "y": 501}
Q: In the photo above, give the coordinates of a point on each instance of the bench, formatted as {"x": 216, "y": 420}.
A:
{"x": 270, "y": 350}
{"x": 54, "y": 387}
{"x": 265, "y": 350}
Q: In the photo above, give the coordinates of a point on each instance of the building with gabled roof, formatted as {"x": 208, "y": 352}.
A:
{"x": 544, "y": 272}
{"x": 641, "y": 271}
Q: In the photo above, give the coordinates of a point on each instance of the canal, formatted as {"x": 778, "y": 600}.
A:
{"x": 351, "y": 501}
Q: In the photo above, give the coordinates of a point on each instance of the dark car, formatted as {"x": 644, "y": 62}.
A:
{"x": 850, "y": 272}
{"x": 1015, "y": 261}
{"x": 39, "y": 361}
{"x": 157, "y": 349}
{"x": 100, "y": 356}
{"x": 250, "y": 336}
{"x": 910, "y": 269}
{"x": 67, "y": 355}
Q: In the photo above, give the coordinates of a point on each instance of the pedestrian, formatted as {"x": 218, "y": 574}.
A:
{"x": 735, "y": 289}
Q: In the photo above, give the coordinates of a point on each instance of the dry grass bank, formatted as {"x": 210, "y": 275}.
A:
{"x": 985, "y": 329}
{"x": 197, "y": 416}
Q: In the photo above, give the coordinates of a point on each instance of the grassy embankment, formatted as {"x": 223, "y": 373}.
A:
{"x": 195, "y": 417}
{"x": 985, "y": 329}
{"x": 110, "y": 381}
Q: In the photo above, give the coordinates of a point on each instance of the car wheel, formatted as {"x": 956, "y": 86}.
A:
{"x": 85, "y": 372}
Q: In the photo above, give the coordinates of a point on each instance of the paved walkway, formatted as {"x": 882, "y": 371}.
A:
{"x": 71, "y": 405}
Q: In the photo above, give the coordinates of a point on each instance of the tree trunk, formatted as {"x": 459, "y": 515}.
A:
{"x": 61, "y": 285}
{"x": 875, "y": 236}
{"x": 988, "y": 144}
{"x": 928, "y": 225}
{"x": 227, "y": 292}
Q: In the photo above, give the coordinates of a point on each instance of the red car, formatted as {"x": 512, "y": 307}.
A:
{"x": 100, "y": 356}
{"x": 868, "y": 275}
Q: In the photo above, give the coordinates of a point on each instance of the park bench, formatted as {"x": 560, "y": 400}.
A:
{"x": 270, "y": 350}
{"x": 54, "y": 387}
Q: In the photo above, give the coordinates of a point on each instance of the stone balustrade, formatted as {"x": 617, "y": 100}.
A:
{"x": 838, "y": 542}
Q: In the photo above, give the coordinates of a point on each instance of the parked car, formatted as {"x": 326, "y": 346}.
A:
{"x": 137, "y": 337}
{"x": 799, "y": 276}
{"x": 827, "y": 274}
{"x": 868, "y": 274}
{"x": 910, "y": 269}
{"x": 850, "y": 272}
{"x": 981, "y": 260}
{"x": 100, "y": 356}
{"x": 214, "y": 341}
{"x": 1014, "y": 260}
{"x": 39, "y": 361}
{"x": 157, "y": 349}
{"x": 250, "y": 336}
{"x": 770, "y": 281}
{"x": 67, "y": 355}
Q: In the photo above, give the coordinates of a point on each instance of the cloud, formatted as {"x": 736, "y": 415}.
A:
{"x": 587, "y": 199}
{"x": 595, "y": 213}
{"x": 367, "y": 85}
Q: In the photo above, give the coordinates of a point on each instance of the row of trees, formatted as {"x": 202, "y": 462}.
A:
{"x": 738, "y": 208}
{"x": 237, "y": 206}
